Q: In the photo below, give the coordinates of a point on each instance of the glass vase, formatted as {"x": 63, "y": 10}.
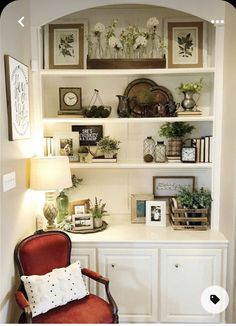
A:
{"x": 98, "y": 49}
{"x": 62, "y": 206}
{"x": 148, "y": 150}
{"x": 160, "y": 152}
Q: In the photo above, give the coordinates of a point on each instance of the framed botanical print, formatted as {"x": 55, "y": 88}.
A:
{"x": 66, "y": 46}
{"x": 185, "y": 44}
{"x": 17, "y": 88}
{"x": 138, "y": 207}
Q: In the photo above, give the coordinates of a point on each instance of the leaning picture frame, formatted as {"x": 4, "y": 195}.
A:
{"x": 156, "y": 213}
{"x": 76, "y": 206}
{"x": 138, "y": 207}
{"x": 66, "y": 46}
{"x": 186, "y": 45}
{"x": 17, "y": 89}
{"x": 82, "y": 222}
{"x": 166, "y": 187}
{"x": 66, "y": 144}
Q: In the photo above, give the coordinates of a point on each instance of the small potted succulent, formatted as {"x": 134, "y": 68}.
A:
{"x": 188, "y": 89}
{"x": 98, "y": 211}
{"x": 175, "y": 132}
{"x": 108, "y": 146}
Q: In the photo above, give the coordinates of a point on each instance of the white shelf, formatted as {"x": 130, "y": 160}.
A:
{"x": 127, "y": 120}
{"x": 125, "y": 72}
{"x": 118, "y": 165}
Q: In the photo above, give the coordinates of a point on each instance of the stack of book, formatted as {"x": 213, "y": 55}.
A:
{"x": 188, "y": 113}
{"x": 173, "y": 159}
{"x": 102, "y": 159}
{"x": 204, "y": 147}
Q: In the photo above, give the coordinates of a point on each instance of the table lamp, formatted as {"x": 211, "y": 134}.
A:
{"x": 50, "y": 174}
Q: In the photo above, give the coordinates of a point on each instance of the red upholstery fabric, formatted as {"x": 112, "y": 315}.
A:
{"x": 41, "y": 254}
{"x": 92, "y": 274}
{"x": 21, "y": 300}
{"x": 89, "y": 310}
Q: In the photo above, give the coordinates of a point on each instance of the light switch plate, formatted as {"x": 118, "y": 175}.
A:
{"x": 9, "y": 181}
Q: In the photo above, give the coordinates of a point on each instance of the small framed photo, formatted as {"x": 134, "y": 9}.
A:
{"x": 79, "y": 207}
{"x": 89, "y": 135}
{"x": 17, "y": 89}
{"x": 70, "y": 101}
{"x": 67, "y": 144}
{"x": 82, "y": 222}
{"x": 156, "y": 213}
{"x": 185, "y": 44}
{"x": 66, "y": 46}
{"x": 138, "y": 207}
{"x": 169, "y": 186}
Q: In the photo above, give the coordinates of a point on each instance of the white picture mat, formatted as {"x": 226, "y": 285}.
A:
{"x": 182, "y": 32}
{"x": 156, "y": 213}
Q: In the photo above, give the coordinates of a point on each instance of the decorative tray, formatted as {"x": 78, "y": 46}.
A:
{"x": 101, "y": 228}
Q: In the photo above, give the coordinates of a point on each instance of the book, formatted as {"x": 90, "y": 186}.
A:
{"x": 206, "y": 149}
{"x": 210, "y": 149}
{"x": 186, "y": 113}
{"x": 202, "y": 150}
{"x": 104, "y": 160}
{"x": 198, "y": 147}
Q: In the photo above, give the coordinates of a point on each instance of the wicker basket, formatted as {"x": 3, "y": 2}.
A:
{"x": 188, "y": 219}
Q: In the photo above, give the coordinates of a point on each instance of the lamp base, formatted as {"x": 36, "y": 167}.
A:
{"x": 50, "y": 211}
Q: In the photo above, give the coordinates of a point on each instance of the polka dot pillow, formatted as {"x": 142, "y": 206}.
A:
{"x": 55, "y": 288}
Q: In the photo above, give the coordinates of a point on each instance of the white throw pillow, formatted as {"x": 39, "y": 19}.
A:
{"x": 55, "y": 288}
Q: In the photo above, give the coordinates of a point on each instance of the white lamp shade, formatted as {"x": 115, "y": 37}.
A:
{"x": 50, "y": 173}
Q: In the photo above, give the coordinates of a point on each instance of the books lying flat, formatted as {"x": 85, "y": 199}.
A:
{"x": 187, "y": 113}
{"x": 104, "y": 160}
{"x": 173, "y": 159}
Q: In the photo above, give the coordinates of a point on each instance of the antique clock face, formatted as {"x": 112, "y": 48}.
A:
{"x": 70, "y": 98}
{"x": 188, "y": 154}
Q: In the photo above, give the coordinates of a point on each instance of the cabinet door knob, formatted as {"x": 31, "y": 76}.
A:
{"x": 176, "y": 265}
{"x": 113, "y": 265}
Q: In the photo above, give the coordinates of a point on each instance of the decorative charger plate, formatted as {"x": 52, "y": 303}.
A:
{"x": 144, "y": 94}
{"x": 101, "y": 228}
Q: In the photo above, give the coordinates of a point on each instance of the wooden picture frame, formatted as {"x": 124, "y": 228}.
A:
{"x": 66, "y": 144}
{"x": 70, "y": 101}
{"x": 17, "y": 91}
{"x": 156, "y": 213}
{"x": 89, "y": 135}
{"x": 185, "y": 44}
{"x": 82, "y": 222}
{"x": 166, "y": 187}
{"x": 138, "y": 207}
{"x": 66, "y": 46}
{"x": 81, "y": 202}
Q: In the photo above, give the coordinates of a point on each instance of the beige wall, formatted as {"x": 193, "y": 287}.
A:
{"x": 228, "y": 171}
{"x": 17, "y": 211}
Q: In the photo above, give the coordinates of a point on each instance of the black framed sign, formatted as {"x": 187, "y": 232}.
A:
{"x": 89, "y": 135}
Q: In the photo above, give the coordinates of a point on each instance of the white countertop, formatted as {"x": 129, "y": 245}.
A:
{"x": 120, "y": 230}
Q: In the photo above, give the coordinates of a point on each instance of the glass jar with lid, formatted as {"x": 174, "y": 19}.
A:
{"x": 160, "y": 152}
{"x": 149, "y": 149}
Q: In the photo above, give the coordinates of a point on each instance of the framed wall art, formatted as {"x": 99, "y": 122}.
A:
{"x": 17, "y": 89}
{"x": 138, "y": 207}
{"x": 66, "y": 46}
{"x": 82, "y": 222}
{"x": 89, "y": 135}
{"x": 70, "y": 101}
{"x": 156, "y": 213}
{"x": 67, "y": 144}
{"x": 185, "y": 44}
{"x": 169, "y": 186}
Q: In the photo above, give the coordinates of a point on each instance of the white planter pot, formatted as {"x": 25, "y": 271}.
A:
{"x": 97, "y": 222}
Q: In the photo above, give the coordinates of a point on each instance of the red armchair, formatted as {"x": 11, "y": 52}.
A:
{"x": 41, "y": 253}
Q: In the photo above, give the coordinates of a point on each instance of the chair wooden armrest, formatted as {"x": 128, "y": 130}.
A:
{"x": 100, "y": 279}
{"x": 24, "y": 305}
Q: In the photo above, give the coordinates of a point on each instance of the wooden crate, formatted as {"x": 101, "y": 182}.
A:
{"x": 126, "y": 63}
{"x": 182, "y": 219}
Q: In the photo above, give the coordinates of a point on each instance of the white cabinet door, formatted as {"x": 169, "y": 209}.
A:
{"x": 133, "y": 275}
{"x": 87, "y": 258}
{"x": 185, "y": 273}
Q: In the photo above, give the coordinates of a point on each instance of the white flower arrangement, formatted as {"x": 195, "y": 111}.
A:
{"x": 152, "y": 22}
{"x": 140, "y": 42}
{"x": 99, "y": 28}
{"x": 115, "y": 43}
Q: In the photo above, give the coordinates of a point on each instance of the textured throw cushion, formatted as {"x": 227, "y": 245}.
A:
{"x": 55, "y": 288}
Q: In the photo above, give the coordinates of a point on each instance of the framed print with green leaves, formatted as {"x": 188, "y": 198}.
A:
{"x": 66, "y": 46}
{"x": 17, "y": 88}
{"x": 185, "y": 44}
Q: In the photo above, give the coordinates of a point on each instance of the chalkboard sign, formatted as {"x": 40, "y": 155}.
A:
{"x": 89, "y": 135}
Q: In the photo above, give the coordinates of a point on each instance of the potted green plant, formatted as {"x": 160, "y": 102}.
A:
{"x": 98, "y": 211}
{"x": 197, "y": 199}
{"x": 108, "y": 146}
{"x": 189, "y": 89}
{"x": 174, "y": 132}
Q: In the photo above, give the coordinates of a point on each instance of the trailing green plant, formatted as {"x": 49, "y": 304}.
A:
{"x": 108, "y": 144}
{"x": 194, "y": 87}
{"x": 198, "y": 199}
{"x": 97, "y": 209}
{"x": 175, "y": 129}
